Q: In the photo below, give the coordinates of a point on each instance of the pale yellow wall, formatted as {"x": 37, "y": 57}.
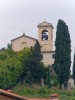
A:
{"x": 20, "y": 43}
{"x": 47, "y": 58}
{"x": 2, "y": 97}
{"x": 46, "y": 43}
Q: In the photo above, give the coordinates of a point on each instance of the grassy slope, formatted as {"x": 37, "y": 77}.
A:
{"x": 37, "y": 91}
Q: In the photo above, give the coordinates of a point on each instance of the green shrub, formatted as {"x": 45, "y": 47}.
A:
{"x": 72, "y": 98}
{"x": 42, "y": 90}
{"x": 54, "y": 82}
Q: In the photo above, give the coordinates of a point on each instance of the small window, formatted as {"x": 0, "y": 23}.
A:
{"x": 53, "y": 55}
{"x": 42, "y": 56}
{"x": 52, "y": 65}
{"x": 24, "y": 45}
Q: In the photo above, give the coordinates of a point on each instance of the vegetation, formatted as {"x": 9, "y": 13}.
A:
{"x": 62, "y": 53}
{"x": 32, "y": 65}
{"x": 36, "y": 91}
{"x": 24, "y": 66}
{"x": 10, "y": 69}
{"x": 74, "y": 69}
{"x": 48, "y": 77}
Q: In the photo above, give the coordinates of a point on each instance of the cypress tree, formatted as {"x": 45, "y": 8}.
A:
{"x": 74, "y": 69}
{"x": 35, "y": 66}
{"x": 49, "y": 77}
{"x": 62, "y": 53}
{"x": 37, "y": 58}
{"x": 37, "y": 51}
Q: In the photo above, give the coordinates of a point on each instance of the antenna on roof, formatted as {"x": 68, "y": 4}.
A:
{"x": 23, "y": 33}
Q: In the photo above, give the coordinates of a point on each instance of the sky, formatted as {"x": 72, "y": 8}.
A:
{"x": 23, "y": 16}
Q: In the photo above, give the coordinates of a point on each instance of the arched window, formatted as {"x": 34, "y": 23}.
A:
{"x": 23, "y": 45}
{"x": 44, "y": 35}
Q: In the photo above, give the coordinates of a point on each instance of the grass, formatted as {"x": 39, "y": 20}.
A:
{"x": 36, "y": 91}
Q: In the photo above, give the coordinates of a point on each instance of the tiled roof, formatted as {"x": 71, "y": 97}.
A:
{"x": 11, "y": 95}
{"x": 23, "y": 36}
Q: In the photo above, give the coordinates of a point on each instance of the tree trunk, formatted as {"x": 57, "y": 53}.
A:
{"x": 60, "y": 86}
{"x": 22, "y": 80}
{"x": 65, "y": 86}
{"x": 42, "y": 82}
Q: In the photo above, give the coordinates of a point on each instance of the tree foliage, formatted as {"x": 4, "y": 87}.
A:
{"x": 10, "y": 68}
{"x": 48, "y": 77}
{"x": 37, "y": 52}
{"x": 21, "y": 66}
{"x": 33, "y": 65}
{"x": 62, "y": 53}
{"x": 74, "y": 69}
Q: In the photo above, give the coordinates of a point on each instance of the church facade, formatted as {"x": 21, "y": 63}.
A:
{"x": 45, "y": 38}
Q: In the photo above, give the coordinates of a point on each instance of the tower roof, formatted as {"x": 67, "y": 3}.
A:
{"x": 45, "y": 23}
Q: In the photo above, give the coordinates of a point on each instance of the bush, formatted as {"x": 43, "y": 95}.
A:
{"x": 42, "y": 90}
{"x": 54, "y": 79}
{"x": 54, "y": 82}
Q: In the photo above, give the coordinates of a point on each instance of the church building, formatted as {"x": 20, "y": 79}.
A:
{"x": 45, "y": 38}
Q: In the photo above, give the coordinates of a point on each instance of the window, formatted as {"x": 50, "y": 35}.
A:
{"x": 24, "y": 45}
{"x": 42, "y": 56}
{"x": 53, "y": 55}
{"x": 44, "y": 35}
{"x": 52, "y": 65}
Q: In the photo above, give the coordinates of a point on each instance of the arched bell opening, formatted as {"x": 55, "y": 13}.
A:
{"x": 44, "y": 35}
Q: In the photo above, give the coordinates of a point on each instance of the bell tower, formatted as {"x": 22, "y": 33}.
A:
{"x": 45, "y": 36}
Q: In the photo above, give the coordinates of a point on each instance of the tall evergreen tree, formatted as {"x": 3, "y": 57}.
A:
{"x": 33, "y": 65}
{"x": 36, "y": 66}
{"x": 49, "y": 77}
{"x": 37, "y": 51}
{"x": 74, "y": 69}
{"x": 62, "y": 53}
{"x": 9, "y": 46}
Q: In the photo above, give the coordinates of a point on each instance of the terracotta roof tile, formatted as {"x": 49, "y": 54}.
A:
{"x": 12, "y": 95}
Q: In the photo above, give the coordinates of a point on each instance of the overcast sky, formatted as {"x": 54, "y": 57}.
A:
{"x": 18, "y": 16}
